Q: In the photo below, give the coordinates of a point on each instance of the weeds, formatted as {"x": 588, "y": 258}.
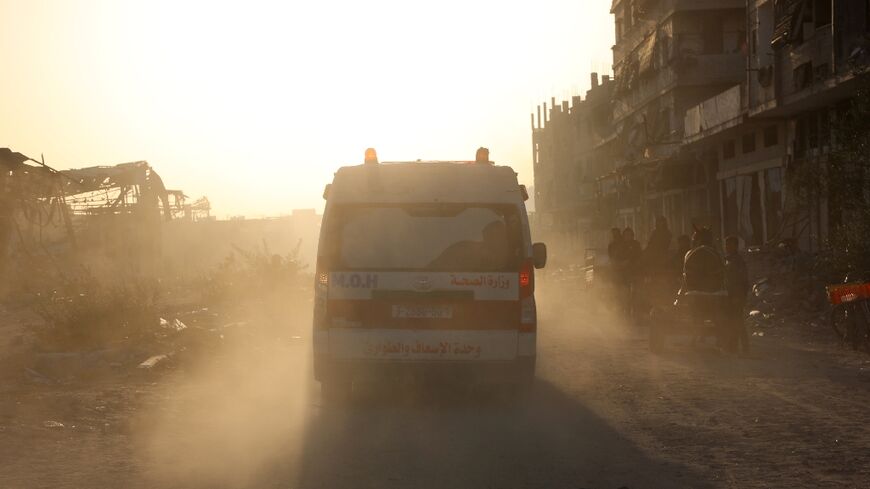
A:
{"x": 84, "y": 313}
{"x": 268, "y": 292}
{"x": 256, "y": 274}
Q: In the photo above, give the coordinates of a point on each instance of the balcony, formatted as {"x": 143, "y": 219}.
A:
{"x": 703, "y": 70}
{"x": 807, "y": 66}
{"x": 710, "y": 69}
{"x": 714, "y": 115}
{"x": 686, "y": 5}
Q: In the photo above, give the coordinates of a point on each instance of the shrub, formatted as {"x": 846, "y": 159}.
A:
{"x": 85, "y": 313}
{"x": 256, "y": 274}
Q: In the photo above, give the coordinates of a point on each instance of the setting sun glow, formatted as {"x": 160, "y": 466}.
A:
{"x": 255, "y": 104}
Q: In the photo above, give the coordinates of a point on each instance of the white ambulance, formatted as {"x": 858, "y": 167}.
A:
{"x": 425, "y": 269}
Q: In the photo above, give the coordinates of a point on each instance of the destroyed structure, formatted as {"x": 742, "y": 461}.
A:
{"x": 116, "y": 211}
{"x": 713, "y": 104}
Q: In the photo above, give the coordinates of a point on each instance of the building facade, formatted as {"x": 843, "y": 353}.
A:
{"x": 570, "y": 147}
{"x": 803, "y": 64}
{"x": 714, "y": 106}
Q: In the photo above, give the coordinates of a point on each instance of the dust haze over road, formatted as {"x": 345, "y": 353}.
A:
{"x": 604, "y": 414}
{"x": 256, "y": 419}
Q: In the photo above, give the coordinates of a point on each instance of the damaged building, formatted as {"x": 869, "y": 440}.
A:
{"x": 713, "y": 105}
{"x": 668, "y": 56}
{"x": 123, "y": 218}
{"x": 802, "y": 63}
{"x": 114, "y": 212}
{"x": 570, "y": 143}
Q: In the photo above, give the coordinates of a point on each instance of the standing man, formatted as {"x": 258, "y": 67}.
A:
{"x": 703, "y": 289}
{"x": 613, "y": 248}
{"x": 631, "y": 249}
{"x": 737, "y": 285}
{"x": 658, "y": 247}
{"x": 703, "y": 270}
{"x": 656, "y": 267}
{"x": 684, "y": 246}
{"x": 632, "y": 255}
{"x": 615, "y": 252}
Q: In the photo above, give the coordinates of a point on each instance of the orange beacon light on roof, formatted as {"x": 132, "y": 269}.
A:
{"x": 371, "y": 156}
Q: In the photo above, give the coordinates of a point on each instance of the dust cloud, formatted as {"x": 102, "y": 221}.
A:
{"x": 243, "y": 410}
{"x": 233, "y": 412}
{"x": 225, "y": 424}
{"x": 573, "y": 290}
{"x": 234, "y": 405}
{"x": 248, "y": 413}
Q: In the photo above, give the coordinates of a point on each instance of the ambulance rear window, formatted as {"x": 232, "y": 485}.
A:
{"x": 444, "y": 237}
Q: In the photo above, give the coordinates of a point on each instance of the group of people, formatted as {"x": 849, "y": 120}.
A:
{"x": 652, "y": 275}
{"x": 645, "y": 276}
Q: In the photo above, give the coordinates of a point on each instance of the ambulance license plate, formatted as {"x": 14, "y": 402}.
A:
{"x": 423, "y": 312}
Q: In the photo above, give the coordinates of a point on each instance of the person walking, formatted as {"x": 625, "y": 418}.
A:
{"x": 632, "y": 254}
{"x": 703, "y": 288}
{"x": 658, "y": 247}
{"x": 657, "y": 276}
{"x": 737, "y": 285}
{"x": 684, "y": 246}
{"x": 614, "y": 248}
{"x": 631, "y": 249}
{"x": 703, "y": 269}
{"x": 616, "y": 255}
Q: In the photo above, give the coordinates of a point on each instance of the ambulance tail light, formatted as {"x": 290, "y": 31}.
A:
{"x": 321, "y": 293}
{"x": 527, "y": 278}
{"x": 528, "y": 308}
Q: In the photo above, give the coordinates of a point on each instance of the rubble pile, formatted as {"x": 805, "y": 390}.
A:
{"x": 163, "y": 345}
{"x": 85, "y": 328}
{"x": 787, "y": 291}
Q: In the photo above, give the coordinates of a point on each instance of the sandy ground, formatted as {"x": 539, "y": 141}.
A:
{"x": 605, "y": 413}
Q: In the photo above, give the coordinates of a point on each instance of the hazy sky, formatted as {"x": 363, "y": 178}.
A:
{"x": 255, "y": 104}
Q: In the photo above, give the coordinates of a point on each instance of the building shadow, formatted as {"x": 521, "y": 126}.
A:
{"x": 440, "y": 437}
{"x": 769, "y": 358}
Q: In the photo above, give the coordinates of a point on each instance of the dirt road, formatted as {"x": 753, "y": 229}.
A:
{"x": 605, "y": 414}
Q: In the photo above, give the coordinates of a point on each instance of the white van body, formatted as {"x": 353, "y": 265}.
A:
{"x": 424, "y": 268}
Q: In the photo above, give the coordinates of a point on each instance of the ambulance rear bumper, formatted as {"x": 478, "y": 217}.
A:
{"x": 509, "y": 359}
{"x": 518, "y": 370}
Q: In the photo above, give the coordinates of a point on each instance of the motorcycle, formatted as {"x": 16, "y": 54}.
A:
{"x": 693, "y": 313}
{"x": 850, "y": 310}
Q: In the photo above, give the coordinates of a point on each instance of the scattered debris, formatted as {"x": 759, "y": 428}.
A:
{"x": 761, "y": 287}
{"x": 37, "y": 377}
{"x": 235, "y": 324}
{"x": 175, "y": 324}
{"x": 66, "y": 365}
{"x": 151, "y": 362}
